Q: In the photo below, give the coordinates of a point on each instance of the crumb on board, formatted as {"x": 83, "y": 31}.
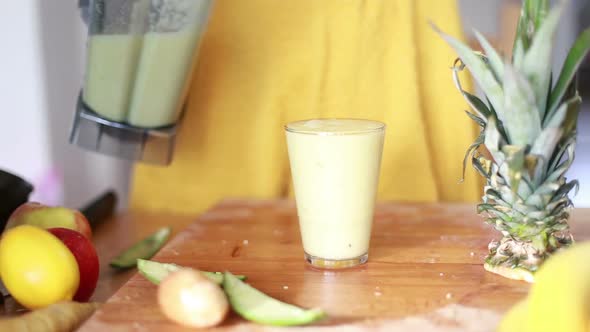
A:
{"x": 285, "y": 287}
{"x": 441, "y": 274}
{"x": 449, "y": 296}
{"x": 377, "y": 293}
{"x": 245, "y": 242}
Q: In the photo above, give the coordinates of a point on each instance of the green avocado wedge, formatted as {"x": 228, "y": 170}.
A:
{"x": 144, "y": 249}
{"x": 258, "y": 307}
{"x": 155, "y": 272}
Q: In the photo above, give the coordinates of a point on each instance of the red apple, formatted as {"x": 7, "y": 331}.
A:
{"x": 86, "y": 257}
{"x": 44, "y": 216}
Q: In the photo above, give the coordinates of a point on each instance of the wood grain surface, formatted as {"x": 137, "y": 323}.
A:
{"x": 425, "y": 262}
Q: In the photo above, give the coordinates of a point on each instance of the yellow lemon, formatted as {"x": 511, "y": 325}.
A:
{"x": 559, "y": 300}
{"x": 36, "y": 267}
{"x": 514, "y": 320}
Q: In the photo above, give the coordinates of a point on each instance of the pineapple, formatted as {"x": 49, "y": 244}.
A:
{"x": 527, "y": 140}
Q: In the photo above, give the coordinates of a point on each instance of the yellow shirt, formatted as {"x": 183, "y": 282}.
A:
{"x": 263, "y": 63}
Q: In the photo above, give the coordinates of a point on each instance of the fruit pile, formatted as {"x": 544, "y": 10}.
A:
{"x": 47, "y": 256}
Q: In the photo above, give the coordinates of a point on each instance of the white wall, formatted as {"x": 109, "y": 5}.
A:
{"x": 23, "y": 127}
{"x": 41, "y": 67}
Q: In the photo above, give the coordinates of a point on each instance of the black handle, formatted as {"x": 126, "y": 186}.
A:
{"x": 101, "y": 209}
{"x": 14, "y": 191}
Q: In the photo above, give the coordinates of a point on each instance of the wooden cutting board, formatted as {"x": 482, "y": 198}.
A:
{"x": 424, "y": 272}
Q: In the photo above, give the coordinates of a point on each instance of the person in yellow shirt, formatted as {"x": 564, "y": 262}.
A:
{"x": 263, "y": 63}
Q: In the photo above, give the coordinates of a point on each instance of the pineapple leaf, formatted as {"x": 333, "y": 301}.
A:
{"x": 537, "y": 59}
{"x": 480, "y": 167}
{"x": 531, "y": 16}
{"x": 474, "y": 102}
{"x": 540, "y": 241}
{"x": 508, "y": 195}
{"x": 569, "y": 140}
{"x": 532, "y": 164}
{"x": 565, "y": 189}
{"x": 522, "y": 28}
{"x": 522, "y": 120}
{"x": 524, "y": 187}
{"x": 499, "y": 124}
{"x": 480, "y": 71}
{"x": 573, "y": 111}
{"x": 485, "y": 207}
{"x": 491, "y": 209}
{"x": 558, "y": 117}
{"x": 536, "y": 201}
{"x": 572, "y": 89}
{"x": 523, "y": 208}
{"x": 545, "y": 145}
{"x": 537, "y": 10}
{"x": 538, "y": 215}
{"x": 492, "y": 141}
{"x": 560, "y": 151}
{"x": 575, "y": 57}
{"x": 566, "y": 115}
{"x": 547, "y": 188}
{"x": 515, "y": 158}
{"x": 494, "y": 195}
{"x": 481, "y": 122}
{"x": 518, "y": 55}
{"x": 525, "y": 180}
{"x": 473, "y": 147}
{"x": 558, "y": 204}
{"x": 540, "y": 171}
{"x": 496, "y": 62}
{"x": 564, "y": 166}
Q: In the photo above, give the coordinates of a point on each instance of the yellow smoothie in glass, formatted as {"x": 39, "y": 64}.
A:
{"x": 335, "y": 168}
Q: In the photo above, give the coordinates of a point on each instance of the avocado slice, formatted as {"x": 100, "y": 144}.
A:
{"x": 258, "y": 307}
{"x": 144, "y": 249}
{"x": 155, "y": 272}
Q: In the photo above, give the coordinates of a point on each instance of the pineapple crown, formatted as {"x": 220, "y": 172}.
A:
{"x": 529, "y": 131}
{"x": 526, "y": 116}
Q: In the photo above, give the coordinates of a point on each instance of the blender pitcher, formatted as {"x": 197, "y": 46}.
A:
{"x": 140, "y": 57}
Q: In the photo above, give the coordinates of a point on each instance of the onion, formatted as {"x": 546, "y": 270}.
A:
{"x": 191, "y": 299}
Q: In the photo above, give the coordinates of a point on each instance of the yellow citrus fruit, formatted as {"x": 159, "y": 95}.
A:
{"x": 515, "y": 319}
{"x": 36, "y": 267}
{"x": 560, "y": 298}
